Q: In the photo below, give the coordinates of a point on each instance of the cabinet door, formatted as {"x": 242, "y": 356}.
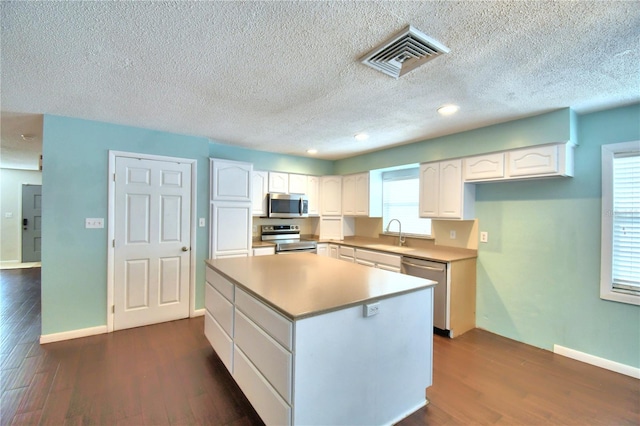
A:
{"x": 260, "y": 182}
{"x": 333, "y": 251}
{"x": 484, "y": 167}
{"x": 539, "y": 160}
{"x": 230, "y": 180}
{"x": 331, "y": 195}
{"x": 365, "y": 263}
{"x": 429, "y": 189}
{"x": 230, "y": 229}
{"x": 349, "y": 195}
{"x": 322, "y": 250}
{"x": 313, "y": 195}
{"x": 450, "y": 198}
{"x": 297, "y": 184}
{"x": 279, "y": 182}
{"x": 362, "y": 194}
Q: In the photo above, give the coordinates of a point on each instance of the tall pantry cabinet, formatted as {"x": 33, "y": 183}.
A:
{"x": 230, "y": 208}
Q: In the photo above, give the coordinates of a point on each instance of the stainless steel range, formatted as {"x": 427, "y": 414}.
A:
{"x": 287, "y": 239}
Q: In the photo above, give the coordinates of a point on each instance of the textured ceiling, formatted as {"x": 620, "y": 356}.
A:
{"x": 285, "y": 76}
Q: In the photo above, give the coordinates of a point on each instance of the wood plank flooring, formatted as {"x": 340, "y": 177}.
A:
{"x": 168, "y": 374}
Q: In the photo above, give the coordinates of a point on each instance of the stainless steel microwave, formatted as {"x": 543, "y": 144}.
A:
{"x": 287, "y": 205}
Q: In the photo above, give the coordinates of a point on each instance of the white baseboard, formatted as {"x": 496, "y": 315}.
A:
{"x": 198, "y": 313}
{"x": 627, "y": 370}
{"x": 73, "y": 334}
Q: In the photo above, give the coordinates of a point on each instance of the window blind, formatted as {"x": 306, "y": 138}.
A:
{"x": 626, "y": 223}
{"x": 400, "y": 195}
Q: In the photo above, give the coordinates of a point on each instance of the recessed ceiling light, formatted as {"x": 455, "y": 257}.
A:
{"x": 448, "y": 109}
{"x": 312, "y": 151}
{"x": 361, "y": 136}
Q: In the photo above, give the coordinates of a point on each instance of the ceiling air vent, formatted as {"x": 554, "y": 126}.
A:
{"x": 404, "y": 52}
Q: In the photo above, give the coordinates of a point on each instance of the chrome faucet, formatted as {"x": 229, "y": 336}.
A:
{"x": 400, "y": 237}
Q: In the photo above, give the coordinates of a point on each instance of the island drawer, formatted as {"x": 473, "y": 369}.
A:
{"x": 346, "y": 251}
{"x": 267, "y": 355}
{"x": 220, "y": 341}
{"x": 273, "y": 410}
{"x": 266, "y": 318}
{"x": 220, "y": 283}
{"x": 220, "y": 308}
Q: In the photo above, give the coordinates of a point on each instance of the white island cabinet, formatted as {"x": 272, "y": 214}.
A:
{"x": 311, "y": 352}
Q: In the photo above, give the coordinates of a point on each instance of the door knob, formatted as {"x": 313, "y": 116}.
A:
{"x": 185, "y": 248}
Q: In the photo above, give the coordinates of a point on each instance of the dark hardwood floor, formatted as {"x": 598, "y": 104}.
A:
{"x": 168, "y": 374}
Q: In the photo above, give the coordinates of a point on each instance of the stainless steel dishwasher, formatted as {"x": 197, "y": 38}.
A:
{"x": 435, "y": 271}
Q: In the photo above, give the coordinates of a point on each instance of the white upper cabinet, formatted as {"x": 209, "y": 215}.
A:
{"x": 230, "y": 180}
{"x": 313, "y": 195}
{"x": 484, "y": 167}
{"x": 260, "y": 182}
{"x": 331, "y": 195}
{"x": 362, "y": 194}
{"x": 542, "y": 161}
{"x": 297, "y": 184}
{"x": 443, "y": 193}
{"x": 429, "y": 189}
{"x": 279, "y": 182}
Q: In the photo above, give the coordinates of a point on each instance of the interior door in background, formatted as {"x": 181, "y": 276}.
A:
{"x": 152, "y": 241}
{"x": 31, "y": 223}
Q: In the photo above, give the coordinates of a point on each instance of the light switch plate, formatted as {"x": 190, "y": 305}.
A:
{"x": 201, "y": 223}
{"x": 94, "y": 222}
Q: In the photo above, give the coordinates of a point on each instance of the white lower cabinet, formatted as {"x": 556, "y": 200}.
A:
{"x": 333, "y": 251}
{"x": 322, "y": 249}
{"x": 347, "y": 254}
{"x": 311, "y": 371}
{"x": 388, "y": 262}
{"x": 264, "y": 251}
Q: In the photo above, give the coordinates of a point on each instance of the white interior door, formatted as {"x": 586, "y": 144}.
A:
{"x": 152, "y": 241}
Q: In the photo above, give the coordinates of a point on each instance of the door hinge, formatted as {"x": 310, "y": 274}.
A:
{"x": 113, "y": 243}
{"x": 114, "y": 177}
{"x": 113, "y": 309}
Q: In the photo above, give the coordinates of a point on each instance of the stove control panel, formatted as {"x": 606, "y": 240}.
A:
{"x": 280, "y": 228}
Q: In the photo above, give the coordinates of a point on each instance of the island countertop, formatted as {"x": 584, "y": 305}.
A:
{"x": 303, "y": 284}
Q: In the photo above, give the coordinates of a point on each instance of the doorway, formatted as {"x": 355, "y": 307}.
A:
{"x": 151, "y": 234}
{"x": 31, "y": 223}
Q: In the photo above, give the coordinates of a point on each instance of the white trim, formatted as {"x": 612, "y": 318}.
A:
{"x": 73, "y": 334}
{"x": 111, "y": 226}
{"x": 198, "y": 312}
{"x": 606, "y": 239}
{"x": 617, "y": 367}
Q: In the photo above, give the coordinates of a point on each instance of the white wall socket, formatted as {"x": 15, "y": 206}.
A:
{"x": 484, "y": 237}
{"x": 452, "y": 234}
{"x": 94, "y": 222}
{"x": 371, "y": 309}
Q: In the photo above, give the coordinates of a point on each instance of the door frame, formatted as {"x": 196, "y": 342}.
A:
{"x": 111, "y": 230}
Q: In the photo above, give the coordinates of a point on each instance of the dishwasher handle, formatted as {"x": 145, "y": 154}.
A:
{"x": 428, "y": 268}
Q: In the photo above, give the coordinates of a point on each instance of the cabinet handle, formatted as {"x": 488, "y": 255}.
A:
{"x": 428, "y": 268}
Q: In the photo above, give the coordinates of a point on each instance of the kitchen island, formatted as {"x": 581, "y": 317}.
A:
{"x": 314, "y": 340}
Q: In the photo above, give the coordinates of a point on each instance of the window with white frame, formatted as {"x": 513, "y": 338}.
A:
{"x": 400, "y": 200}
{"x": 620, "y": 259}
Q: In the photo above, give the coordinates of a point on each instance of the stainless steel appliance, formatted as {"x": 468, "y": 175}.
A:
{"x": 287, "y": 205}
{"x": 287, "y": 239}
{"x": 435, "y": 271}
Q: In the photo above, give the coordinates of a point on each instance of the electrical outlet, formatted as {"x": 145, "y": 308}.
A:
{"x": 94, "y": 222}
{"x": 452, "y": 234}
{"x": 484, "y": 237}
{"x": 371, "y": 309}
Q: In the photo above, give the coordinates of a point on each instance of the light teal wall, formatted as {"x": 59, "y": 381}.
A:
{"x": 544, "y": 128}
{"x": 274, "y": 162}
{"x": 75, "y": 152}
{"x": 538, "y": 277}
